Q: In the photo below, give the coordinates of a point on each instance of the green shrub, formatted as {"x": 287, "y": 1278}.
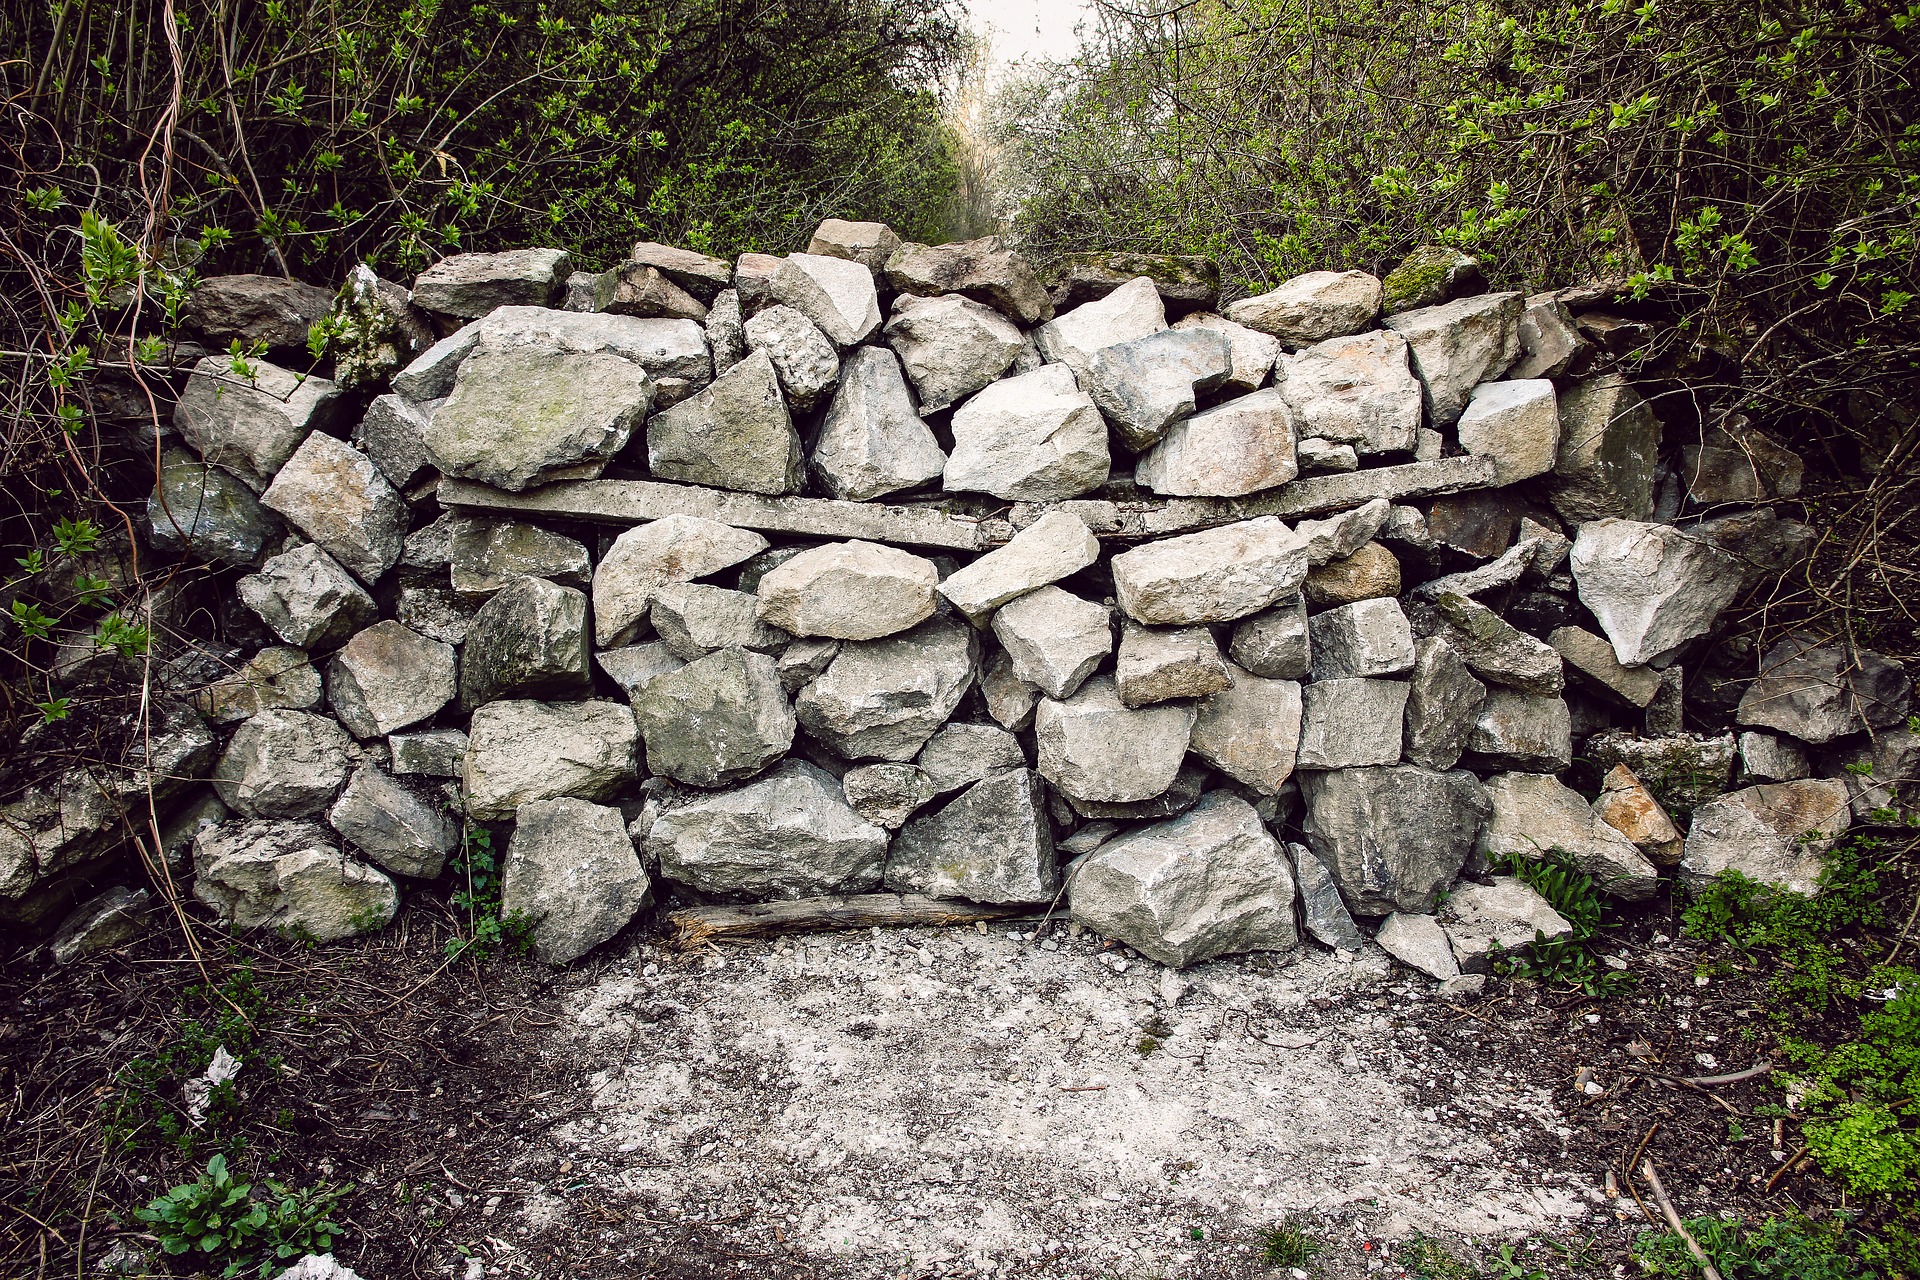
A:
{"x": 227, "y": 1223}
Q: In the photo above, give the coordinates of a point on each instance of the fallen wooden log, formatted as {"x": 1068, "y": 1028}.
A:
{"x": 696, "y": 926}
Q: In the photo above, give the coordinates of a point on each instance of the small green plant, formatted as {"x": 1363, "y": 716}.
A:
{"x": 476, "y": 877}
{"x": 1431, "y": 1259}
{"x": 1287, "y": 1245}
{"x": 1785, "y": 1248}
{"x": 1508, "y": 1265}
{"x": 1570, "y": 959}
{"x": 223, "y": 1220}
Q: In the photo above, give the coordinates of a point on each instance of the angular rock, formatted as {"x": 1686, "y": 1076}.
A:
{"x": 282, "y": 764}
{"x": 1157, "y": 665}
{"x": 1495, "y": 650}
{"x": 1609, "y": 448}
{"x": 800, "y": 361}
{"x": 1209, "y": 883}
{"x": 872, "y": 442}
{"x": 429, "y": 376}
{"x": 1777, "y": 833}
{"x": 1216, "y": 575}
{"x": 1274, "y": 644}
{"x": 432, "y": 753}
{"x": 1184, "y": 281}
{"x": 1536, "y": 812}
{"x": 392, "y": 824}
{"x": 270, "y": 310}
{"x": 1010, "y": 700}
{"x": 519, "y": 751}
{"x": 1684, "y": 769}
{"x": 438, "y": 613}
{"x": 950, "y": 346}
{"x": 1458, "y": 345}
{"x": 1035, "y": 437}
{"x": 1629, "y": 808}
{"x": 1250, "y": 353}
{"x": 960, "y": 755}
{"x": 1132, "y": 311}
{"x": 753, "y": 277}
{"x": 882, "y": 699}
{"x": 334, "y": 494}
{"x": 837, "y": 295}
{"x": 886, "y": 794}
{"x": 251, "y": 425}
{"x": 1057, "y": 544}
{"x": 289, "y": 877}
{"x": 702, "y": 276}
{"x": 1652, "y": 586}
{"x": 1228, "y": 451}
{"x": 393, "y": 435}
{"x": 1482, "y": 921}
{"x": 1738, "y": 463}
{"x": 519, "y": 416}
{"x": 1250, "y": 731}
{"x": 1480, "y": 525}
{"x": 1371, "y": 573}
{"x": 1884, "y": 778}
{"x": 571, "y": 874}
{"x": 849, "y": 591}
{"x": 991, "y": 844}
{"x": 984, "y": 270}
{"x": 804, "y": 661}
{"x": 1419, "y": 942}
{"x": 1325, "y": 915}
{"x": 1765, "y": 757}
{"x": 726, "y": 331}
{"x": 1590, "y": 656}
{"x": 1443, "y": 704}
{"x": 1367, "y": 638}
{"x": 1393, "y": 837}
{"x": 1146, "y": 385}
{"x": 1317, "y": 455}
{"x": 1549, "y": 341}
{"x": 870, "y": 244}
{"x": 1516, "y": 423}
{"x": 1430, "y": 275}
{"x": 208, "y": 513}
{"x": 1818, "y": 692}
{"x": 676, "y": 548}
{"x": 387, "y": 678}
{"x": 635, "y": 666}
{"x": 1352, "y": 723}
{"x": 103, "y": 921}
{"x": 1553, "y": 546}
{"x": 1312, "y": 308}
{"x": 1094, "y": 747}
{"x": 589, "y": 290}
{"x": 1345, "y": 534}
{"x": 1527, "y": 731}
{"x": 528, "y": 641}
{"x": 736, "y": 434}
{"x": 1054, "y": 638}
{"x": 486, "y": 555}
{"x": 274, "y": 677}
{"x": 693, "y": 620}
{"x": 641, "y": 290}
{"x": 1356, "y": 390}
{"x": 469, "y": 285}
{"x": 665, "y": 349}
{"x": 789, "y": 835}
{"x": 716, "y": 720}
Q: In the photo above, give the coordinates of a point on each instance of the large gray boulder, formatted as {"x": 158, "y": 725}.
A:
{"x": 208, "y": 512}
{"x": 790, "y": 834}
{"x": 736, "y": 434}
{"x": 519, "y": 751}
{"x": 837, "y": 295}
{"x": 693, "y": 619}
{"x": 960, "y": 755}
{"x": 250, "y": 425}
{"x": 1322, "y": 910}
{"x": 882, "y": 699}
{"x": 950, "y": 346}
{"x": 1443, "y": 704}
{"x": 1228, "y": 451}
{"x": 521, "y": 415}
{"x": 1275, "y": 644}
{"x": 802, "y": 360}
{"x": 1367, "y": 638}
{"x": 1396, "y": 837}
{"x": 1527, "y": 731}
{"x": 333, "y": 493}
{"x": 1057, "y": 544}
{"x": 1536, "y": 812}
{"x": 1032, "y": 438}
{"x": 394, "y": 825}
{"x": 485, "y": 555}
{"x": 1054, "y": 638}
{"x": 1130, "y": 312}
{"x": 849, "y": 591}
{"x": 1094, "y": 747}
{"x": 529, "y": 641}
{"x": 282, "y": 764}
{"x": 1483, "y": 921}
{"x": 1458, "y": 345}
{"x": 1216, "y": 575}
{"x": 571, "y": 876}
{"x": 1250, "y": 353}
{"x": 872, "y": 442}
{"x": 271, "y": 310}
{"x": 984, "y": 270}
{"x": 1818, "y": 692}
{"x": 387, "y": 678}
{"x": 991, "y": 844}
{"x": 1209, "y": 883}
{"x": 717, "y": 720}
{"x": 1609, "y": 450}
{"x": 1517, "y": 424}
{"x": 1158, "y": 664}
{"x": 1146, "y": 385}
{"x": 1652, "y": 586}
{"x": 468, "y": 285}
{"x": 1350, "y": 723}
{"x": 1312, "y": 308}
{"x": 291, "y": 878}
{"x": 307, "y": 599}
{"x": 678, "y": 548}
{"x": 1777, "y": 833}
{"x": 1250, "y": 731}
{"x": 1356, "y": 390}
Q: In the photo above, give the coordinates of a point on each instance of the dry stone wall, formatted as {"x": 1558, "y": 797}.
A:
{"x": 881, "y": 568}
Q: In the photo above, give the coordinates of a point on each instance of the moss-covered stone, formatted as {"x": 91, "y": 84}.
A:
{"x": 1430, "y": 275}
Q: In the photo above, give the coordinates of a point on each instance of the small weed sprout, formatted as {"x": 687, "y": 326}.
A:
{"x": 1287, "y": 1245}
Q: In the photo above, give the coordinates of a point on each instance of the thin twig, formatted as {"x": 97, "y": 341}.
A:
{"x": 1672, "y": 1215}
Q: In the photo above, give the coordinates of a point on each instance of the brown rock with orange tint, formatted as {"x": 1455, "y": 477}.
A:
{"x": 1628, "y": 807}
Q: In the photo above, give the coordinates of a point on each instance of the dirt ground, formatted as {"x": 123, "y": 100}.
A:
{"x": 913, "y": 1103}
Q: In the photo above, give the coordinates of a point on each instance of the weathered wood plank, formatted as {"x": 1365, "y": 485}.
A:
{"x": 695, "y": 926}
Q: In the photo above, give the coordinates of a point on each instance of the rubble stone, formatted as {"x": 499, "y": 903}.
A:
{"x": 1250, "y": 353}
{"x": 387, "y": 678}
{"x": 393, "y": 825}
{"x": 1818, "y": 692}
{"x": 1228, "y": 451}
{"x": 1777, "y": 833}
{"x": 1057, "y": 544}
{"x": 433, "y": 753}
{"x": 1216, "y": 575}
{"x": 1250, "y": 731}
{"x": 1010, "y": 700}
{"x": 788, "y": 835}
{"x": 1536, "y": 812}
{"x": 887, "y": 793}
{"x": 1592, "y": 657}
{"x": 1394, "y": 837}
{"x": 1035, "y": 437}
{"x": 289, "y": 877}
{"x": 950, "y": 346}
{"x": 1482, "y": 921}
{"x": 1527, "y": 731}
{"x": 984, "y": 270}
{"x": 735, "y": 434}
{"x": 693, "y": 620}
{"x": 1317, "y": 455}
{"x": 872, "y": 442}
{"x": 271, "y": 310}
{"x": 868, "y": 243}
{"x": 519, "y": 751}
{"x": 1497, "y": 651}
{"x": 282, "y": 764}
{"x": 837, "y": 295}
{"x": 1367, "y": 638}
{"x": 1156, "y": 665}
{"x": 960, "y": 755}
{"x": 716, "y": 720}
{"x": 640, "y": 290}
{"x": 205, "y": 511}
{"x": 1312, "y": 308}
{"x": 334, "y": 494}
{"x": 1419, "y": 942}
{"x": 698, "y": 274}
{"x": 274, "y": 677}
{"x": 393, "y": 434}
{"x": 1356, "y": 390}
{"x": 250, "y": 426}
{"x": 1550, "y": 343}
{"x": 633, "y": 667}
{"x": 1094, "y": 747}
{"x": 1145, "y": 386}
{"x": 645, "y": 558}
{"x": 1738, "y": 463}
{"x": 1322, "y": 911}
{"x": 849, "y": 591}
{"x": 103, "y": 921}
{"x": 1342, "y": 535}
{"x": 1684, "y": 769}
{"x": 485, "y": 555}
{"x": 1275, "y": 644}
{"x": 1183, "y": 281}
{"x": 1351, "y": 723}
{"x": 1054, "y": 638}
{"x": 1132, "y": 311}
{"x": 882, "y": 699}
{"x": 1652, "y": 587}
{"x": 1629, "y": 808}
{"x": 1443, "y": 704}
{"x": 1766, "y": 757}
{"x": 470, "y": 285}
{"x": 572, "y": 875}
{"x": 1516, "y": 423}
{"x": 528, "y": 641}
{"x": 1371, "y": 573}
{"x": 1609, "y": 448}
{"x": 1456, "y": 346}
{"x": 1430, "y": 275}
{"x": 991, "y": 844}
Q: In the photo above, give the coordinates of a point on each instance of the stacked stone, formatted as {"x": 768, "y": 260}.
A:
{"x": 948, "y": 585}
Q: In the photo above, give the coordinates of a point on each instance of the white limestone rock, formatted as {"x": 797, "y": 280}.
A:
{"x": 837, "y": 295}
{"x": 1312, "y": 308}
{"x": 1356, "y": 390}
{"x": 1250, "y": 353}
{"x": 282, "y": 764}
{"x": 788, "y": 835}
{"x": 251, "y": 425}
{"x": 521, "y": 750}
{"x": 1147, "y": 385}
{"x": 1057, "y": 544}
{"x": 1158, "y": 664}
{"x": 1093, "y": 747}
{"x": 1132, "y": 311}
{"x": 849, "y": 591}
{"x": 1516, "y": 423}
{"x": 1652, "y": 586}
{"x": 1035, "y": 437}
{"x": 1228, "y": 451}
{"x": 1458, "y": 345}
{"x": 388, "y": 677}
{"x": 1216, "y": 575}
{"x": 872, "y": 442}
{"x": 990, "y": 844}
{"x": 1250, "y": 731}
{"x": 736, "y": 434}
{"x": 1054, "y": 639}
{"x": 1777, "y": 833}
{"x": 572, "y": 876}
{"x": 1366, "y": 638}
{"x": 677, "y": 548}
{"x": 802, "y": 357}
{"x": 1352, "y": 723}
{"x": 882, "y": 699}
{"x": 950, "y": 346}
{"x": 1535, "y": 812}
{"x": 289, "y": 877}
{"x": 1395, "y": 837}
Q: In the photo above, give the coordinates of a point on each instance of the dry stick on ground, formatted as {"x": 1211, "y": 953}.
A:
{"x": 1672, "y": 1215}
